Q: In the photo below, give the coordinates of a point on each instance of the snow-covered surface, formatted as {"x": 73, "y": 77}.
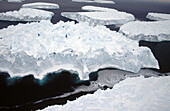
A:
{"x": 26, "y": 14}
{"x": 131, "y": 94}
{"x": 148, "y": 31}
{"x": 41, "y": 5}
{"x": 100, "y": 16}
{"x": 158, "y": 16}
{"x": 43, "y": 47}
{"x": 96, "y": 1}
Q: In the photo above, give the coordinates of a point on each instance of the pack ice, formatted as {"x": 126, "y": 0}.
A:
{"x": 158, "y": 16}
{"x": 41, "y": 5}
{"x": 26, "y": 14}
{"x": 42, "y": 47}
{"x": 131, "y": 94}
{"x": 100, "y": 16}
{"x": 148, "y": 31}
{"x": 95, "y": 1}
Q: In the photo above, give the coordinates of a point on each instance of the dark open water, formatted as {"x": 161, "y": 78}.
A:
{"x": 22, "y": 93}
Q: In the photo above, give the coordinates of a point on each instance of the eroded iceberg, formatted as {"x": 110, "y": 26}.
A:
{"x": 131, "y": 94}
{"x": 42, "y": 47}
{"x": 100, "y": 16}
{"x": 41, "y": 5}
{"x": 96, "y": 1}
{"x": 26, "y": 14}
{"x": 158, "y": 16}
{"x": 148, "y": 31}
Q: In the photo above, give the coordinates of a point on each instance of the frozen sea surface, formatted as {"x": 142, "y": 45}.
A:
{"x": 148, "y": 31}
{"x": 158, "y": 16}
{"x": 26, "y": 14}
{"x": 132, "y": 94}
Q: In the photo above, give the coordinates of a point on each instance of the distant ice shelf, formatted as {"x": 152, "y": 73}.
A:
{"x": 131, "y": 94}
{"x": 148, "y": 31}
{"x": 158, "y": 16}
{"x": 96, "y": 1}
{"x": 41, "y": 5}
{"x": 42, "y": 47}
{"x": 100, "y": 16}
{"x": 26, "y": 14}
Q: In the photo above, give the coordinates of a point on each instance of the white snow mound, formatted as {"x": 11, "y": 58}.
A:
{"x": 44, "y": 47}
{"x": 100, "y": 16}
{"x": 26, "y": 14}
{"x": 131, "y": 94}
{"x": 148, "y": 31}
{"x": 41, "y": 5}
{"x": 158, "y": 16}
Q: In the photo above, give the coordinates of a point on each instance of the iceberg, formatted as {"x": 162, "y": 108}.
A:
{"x": 41, "y": 5}
{"x": 26, "y": 14}
{"x": 100, "y": 16}
{"x": 131, "y": 94}
{"x": 95, "y": 1}
{"x": 148, "y": 31}
{"x": 41, "y": 47}
{"x": 158, "y": 16}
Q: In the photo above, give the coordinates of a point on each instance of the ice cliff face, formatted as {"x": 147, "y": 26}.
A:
{"x": 158, "y": 16}
{"x": 100, "y": 16}
{"x": 148, "y": 31}
{"x": 41, "y": 5}
{"x": 131, "y": 94}
{"x": 41, "y": 47}
{"x": 26, "y": 14}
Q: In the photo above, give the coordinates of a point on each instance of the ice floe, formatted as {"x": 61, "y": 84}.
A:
{"x": 131, "y": 94}
{"x": 42, "y": 47}
{"x": 96, "y": 1}
{"x": 17, "y": 1}
{"x": 158, "y": 16}
{"x": 148, "y": 31}
{"x": 26, "y": 14}
{"x": 101, "y": 16}
{"x": 41, "y": 5}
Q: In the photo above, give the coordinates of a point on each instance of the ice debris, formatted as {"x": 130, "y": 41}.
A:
{"x": 101, "y": 16}
{"x": 131, "y": 94}
{"x": 148, "y": 31}
{"x": 26, "y": 14}
{"x": 42, "y": 47}
{"x": 41, "y": 5}
{"x": 158, "y": 16}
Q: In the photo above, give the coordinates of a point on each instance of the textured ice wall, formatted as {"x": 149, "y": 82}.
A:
{"x": 96, "y": 1}
{"x": 132, "y": 94}
{"x": 158, "y": 16}
{"x": 148, "y": 31}
{"x": 100, "y": 16}
{"x": 26, "y": 14}
{"x": 39, "y": 48}
{"x": 41, "y": 5}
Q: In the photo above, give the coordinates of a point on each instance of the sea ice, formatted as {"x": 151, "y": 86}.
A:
{"x": 41, "y": 5}
{"x": 42, "y": 47}
{"x": 96, "y": 1}
{"x": 158, "y": 16}
{"x": 131, "y": 94}
{"x": 101, "y": 16}
{"x": 19, "y": 1}
{"x": 26, "y": 14}
{"x": 148, "y": 31}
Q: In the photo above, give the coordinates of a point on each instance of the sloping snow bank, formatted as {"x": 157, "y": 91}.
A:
{"x": 38, "y": 48}
{"x": 131, "y": 94}
{"x": 148, "y": 31}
